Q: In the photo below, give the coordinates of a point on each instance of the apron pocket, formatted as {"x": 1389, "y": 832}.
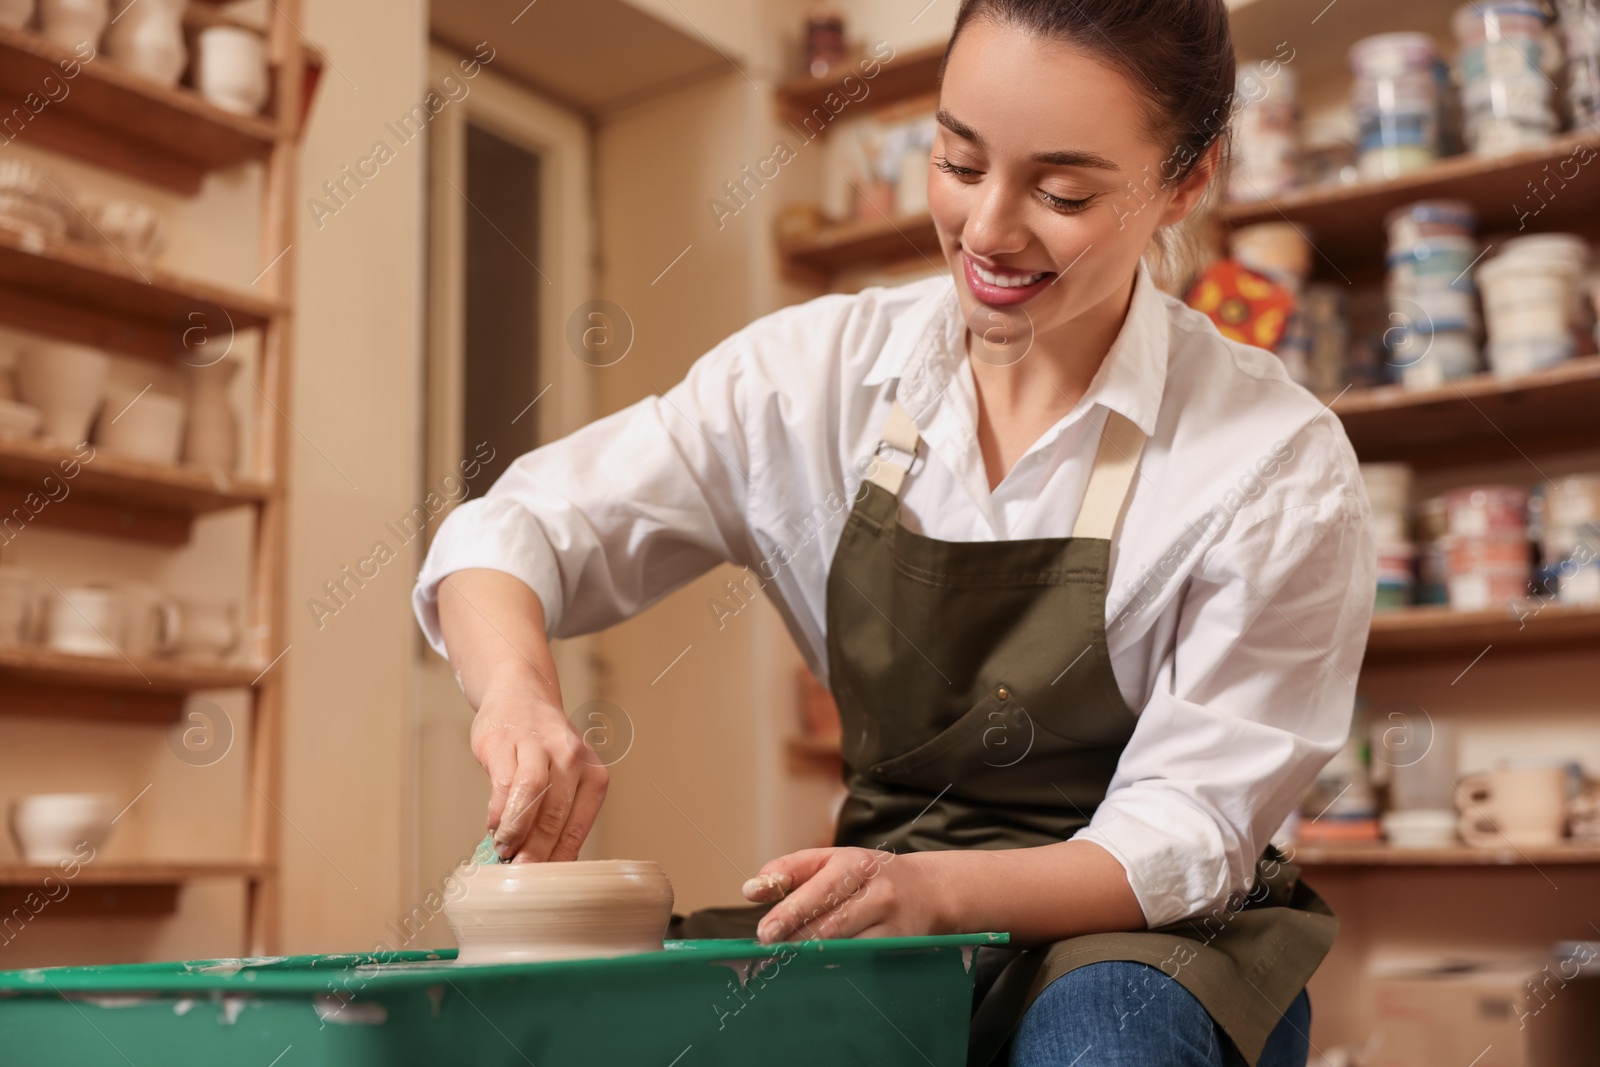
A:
{"x": 995, "y": 731}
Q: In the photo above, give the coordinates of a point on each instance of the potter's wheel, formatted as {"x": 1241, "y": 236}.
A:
{"x": 537, "y": 912}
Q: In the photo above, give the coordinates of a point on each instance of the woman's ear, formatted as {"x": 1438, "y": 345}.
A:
{"x": 1186, "y": 195}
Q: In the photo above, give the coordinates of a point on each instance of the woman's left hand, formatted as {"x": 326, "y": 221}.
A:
{"x": 852, "y": 892}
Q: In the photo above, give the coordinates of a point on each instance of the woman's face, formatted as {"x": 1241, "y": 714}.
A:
{"x": 1045, "y": 185}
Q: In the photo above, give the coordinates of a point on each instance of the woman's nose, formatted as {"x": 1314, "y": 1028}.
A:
{"x": 995, "y": 226}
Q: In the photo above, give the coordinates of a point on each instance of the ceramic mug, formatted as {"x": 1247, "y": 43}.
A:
{"x": 146, "y": 36}
{"x": 50, "y": 827}
{"x": 153, "y": 621}
{"x": 16, "y": 605}
{"x": 66, "y": 383}
{"x": 87, "y": 620}
{"x": 232, "y": 72}
{"x": 1513, "y": 806}
{"x": 67, "y": 22}
{"x": 146, "y": 427}
{"x": 205, "y": 630}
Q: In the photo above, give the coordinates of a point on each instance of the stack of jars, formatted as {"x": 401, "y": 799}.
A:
{"x": 1568, "y": 535}
{"x": 1580, "y": 31}
{"x": 1389, "y": 493}
{"x": 1487, "y": 554}
{"x": 1505, "y": 95}
{"x": 1396, "y": 98}
{"x": 1533, "y": 301}
{"x": 1265, "y": 136}
{"x": 1433, "y": 312}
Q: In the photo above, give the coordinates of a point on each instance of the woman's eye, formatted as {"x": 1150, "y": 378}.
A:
{"x": 1064, "y": 205}
{"x": 951, "y": 168}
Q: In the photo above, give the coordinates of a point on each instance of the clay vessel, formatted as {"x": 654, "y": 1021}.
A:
{"x": 232, "y": 71}
{"x": 532, "y": 912}
{"x": 146, "y": 36}
{"x": 67, "y": 383}
{"x": 211, "y": 439}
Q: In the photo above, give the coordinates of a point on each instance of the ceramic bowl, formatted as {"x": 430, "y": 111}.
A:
{"x": 132, "y": 227}
{"x": 529, "y": 912}
{"x": 18, "y": 420}
{"x": 50, "y": 827}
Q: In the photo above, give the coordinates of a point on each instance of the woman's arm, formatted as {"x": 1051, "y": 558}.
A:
{"x": 546, "y": 784}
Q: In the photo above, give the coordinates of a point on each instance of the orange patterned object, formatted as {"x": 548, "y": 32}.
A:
{"x": 1246, "y": 306}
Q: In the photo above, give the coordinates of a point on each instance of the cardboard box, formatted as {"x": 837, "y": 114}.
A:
{"x": 1517, "y": 1014}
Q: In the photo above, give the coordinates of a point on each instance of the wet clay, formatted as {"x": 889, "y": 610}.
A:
{"x": 531, "y": 912}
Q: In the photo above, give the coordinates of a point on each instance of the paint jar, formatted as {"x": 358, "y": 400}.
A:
{"x": 1486, "y": 572}
{"x": 1433, "y": 572}
{"x": 1266, "y": 134}
{"x": 1487, "y": 510}
{"x": 1580, "y": 33}
{"x": 1569, "y": 538}
{"x": 1395, "y": 96}
{"x": 1396, "y": 582}
{"x": 1407, "y": 226}
{"x": 1279, "y": 250}
{"x": 1532, "y": 300}
{"x": 1505, "y": 95}
{"x": 1429, "y": 361}
{"x": 1517, "y": 356}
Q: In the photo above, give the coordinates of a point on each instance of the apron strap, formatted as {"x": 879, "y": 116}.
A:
{"x": 1104, "y": 500}
{"x": 1110, "y": 483}
{"x": 900, "y": 440}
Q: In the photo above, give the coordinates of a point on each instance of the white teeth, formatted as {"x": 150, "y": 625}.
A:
{"x": 1008, "y": 281}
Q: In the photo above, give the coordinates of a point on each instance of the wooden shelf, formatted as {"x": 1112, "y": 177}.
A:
{"x": 113, "y": 118}
{"x": 142, "y": 889}
{"x": 119, "y": 497}
{"x": 64, "y": 290}
{"x": 858, "y": 245}
{"x": 41, "y": 682}
{"x": 1345, "y": 222}
{"x": 1381, "y": 855}
{"x": 1478, "y": 419}
{"x": 908, "y": 75}
{"x": 813, "y": 755}
{"x": 1409, "y": 632}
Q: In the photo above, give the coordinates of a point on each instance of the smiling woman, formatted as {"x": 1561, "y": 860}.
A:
{"x": 1083, "y": 672}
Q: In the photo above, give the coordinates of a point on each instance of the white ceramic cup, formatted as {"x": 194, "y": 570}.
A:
{"x": 205, "y": 630}
{"x": 147, "y": 427}
{"x": 16, "y": 605}
{"x": 1420, "y": 828}
{"x": 49, "y": 828}
{"x": 87, "y": 620}
{"x": 66, "y": 383}
{"x": 1518, "y": 806}
{"x": 232, "y": 72}
{"x": 146, "y": 36}
{"x": 152, "y": 621}
{"x": 66, "y": 22}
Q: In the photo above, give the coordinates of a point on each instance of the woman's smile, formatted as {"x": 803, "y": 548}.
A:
{"x": 1000, "y": 286}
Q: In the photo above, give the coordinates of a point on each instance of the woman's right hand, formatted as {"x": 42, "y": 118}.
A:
{"x": 546, "y": 783}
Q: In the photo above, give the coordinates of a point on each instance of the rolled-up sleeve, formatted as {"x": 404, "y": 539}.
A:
{"x": 1253, "y": 698}
{"x": 602, "y": 523}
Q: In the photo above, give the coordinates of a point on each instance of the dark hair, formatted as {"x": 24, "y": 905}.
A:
{"x": 1181, "y": 51}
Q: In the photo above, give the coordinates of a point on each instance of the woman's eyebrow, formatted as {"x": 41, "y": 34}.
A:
{"x": 1067, "y": 157}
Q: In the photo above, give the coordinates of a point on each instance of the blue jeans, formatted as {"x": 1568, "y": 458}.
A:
{"x": 1121, "y": 1014}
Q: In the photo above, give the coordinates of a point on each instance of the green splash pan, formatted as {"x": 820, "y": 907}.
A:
{"x": 877, "y": 1001}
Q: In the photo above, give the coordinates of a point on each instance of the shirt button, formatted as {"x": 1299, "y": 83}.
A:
{"x": 1003, "y": 693}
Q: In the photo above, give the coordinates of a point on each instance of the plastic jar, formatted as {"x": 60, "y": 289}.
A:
{"x": 1408, "y": 225}
{"x": 1482, "y": 510}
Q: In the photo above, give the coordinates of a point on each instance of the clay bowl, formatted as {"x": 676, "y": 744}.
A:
{"x": 534, "y": 912}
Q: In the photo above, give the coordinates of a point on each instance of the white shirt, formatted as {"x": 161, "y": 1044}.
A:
{"x": 1236, "y": 640}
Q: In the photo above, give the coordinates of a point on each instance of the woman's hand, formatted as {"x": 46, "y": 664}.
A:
{"x": 546, "y": 783}
{"x": 852, "y": 892}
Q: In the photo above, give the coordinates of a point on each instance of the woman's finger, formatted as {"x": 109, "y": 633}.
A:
{"x": 780, "y": 876}
{"x": 500, "y": 761}
{"x": 592, "y": 784}
{"x": 553, "y": 808}
{"x": 522, "y": 804}
{"x": 834, "y": 902}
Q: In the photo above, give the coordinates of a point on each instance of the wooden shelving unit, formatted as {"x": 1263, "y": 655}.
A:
{"x": 857, "y": 245}
{"x": 1376, "y": 855}
{"x": 907, "y": 76}
{"x": 1444, "y": 631}
{"x": 171, "y": 138}
{"x": 121, "y": 889}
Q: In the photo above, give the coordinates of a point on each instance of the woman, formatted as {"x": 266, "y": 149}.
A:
{"x": 1091, "y": 613}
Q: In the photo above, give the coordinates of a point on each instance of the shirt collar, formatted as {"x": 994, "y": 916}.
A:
{"x": 925, "y": 347}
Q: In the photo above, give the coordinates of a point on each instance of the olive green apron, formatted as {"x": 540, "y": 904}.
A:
{"x": 980, "y": 711}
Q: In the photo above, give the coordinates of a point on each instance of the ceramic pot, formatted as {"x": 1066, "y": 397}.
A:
{"x": 18, "y": 420}
{"x": 1519, "y": 806}
{"x": 66, "y": 383}
{"x": 526, "y": 912}
{"x": 153, "y": 620}
{"x": 66, "y": 22}
{"x": 147, "y": 428}
{"x": 212, "y": 438}
{"x": 50, "y": 827}
{"x": 87, "y": 621}
{"x": 15, "y": 13}
{"x": 16, "y": 606}
{"x": 146, "y": 36}
{"x": 131, "y": 226}
{"x": 232, "y": 72}
{"x": 204, "y": 631}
